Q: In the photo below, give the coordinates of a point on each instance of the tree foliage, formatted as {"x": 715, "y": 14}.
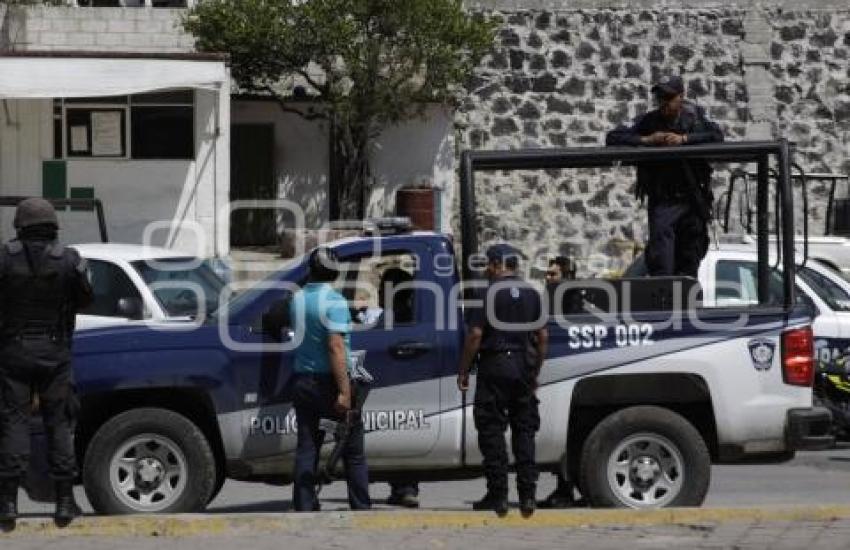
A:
{"x": 367, "y": 63}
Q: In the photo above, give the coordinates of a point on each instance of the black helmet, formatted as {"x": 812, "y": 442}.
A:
{"x": 35, "y": 211}
{"x": 323, "y": 264}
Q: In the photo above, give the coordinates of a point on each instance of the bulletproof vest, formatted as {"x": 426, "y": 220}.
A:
{"x": 34, "y": 289}
{"x": 514, "y": 304}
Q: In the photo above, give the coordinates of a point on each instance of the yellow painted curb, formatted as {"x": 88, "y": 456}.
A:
{"x": 177, "y": 525}
{"x": 598, "y": 518}
{"x": 230, "y": 524}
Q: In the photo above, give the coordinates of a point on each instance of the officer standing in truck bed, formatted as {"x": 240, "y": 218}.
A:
{"x": 678, "y": 192}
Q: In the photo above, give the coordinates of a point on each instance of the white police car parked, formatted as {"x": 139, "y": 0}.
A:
{"x": 136, "y": 283}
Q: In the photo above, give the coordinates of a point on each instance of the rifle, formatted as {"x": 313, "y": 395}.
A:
{"x": 699, "y": 195}
{"x": 360, "y": 381}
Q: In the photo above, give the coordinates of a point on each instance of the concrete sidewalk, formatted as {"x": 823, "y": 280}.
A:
{"x": 205, "y": 525}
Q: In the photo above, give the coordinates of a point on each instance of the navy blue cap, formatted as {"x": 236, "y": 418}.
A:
{"x": 669, "y": 85}
{"x": 499, "y": 252}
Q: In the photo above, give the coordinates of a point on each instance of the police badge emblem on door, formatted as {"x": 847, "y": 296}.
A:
{"x": 762, "y": 352}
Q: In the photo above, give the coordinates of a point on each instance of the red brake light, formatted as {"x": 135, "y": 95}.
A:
{"x": 798, "y": 357}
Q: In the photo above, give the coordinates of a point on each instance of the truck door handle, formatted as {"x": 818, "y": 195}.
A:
{"x": 410, "y": 350}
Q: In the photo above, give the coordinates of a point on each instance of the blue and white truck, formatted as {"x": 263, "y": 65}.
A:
{"x": 642, "y": 390}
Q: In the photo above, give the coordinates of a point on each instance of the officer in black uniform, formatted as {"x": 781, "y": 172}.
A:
{"x": 510, "y": 340}
{"x": 42, "y": 285}
{"x": 679, "y": 192}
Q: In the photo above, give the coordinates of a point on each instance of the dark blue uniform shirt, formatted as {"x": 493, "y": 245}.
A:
{"x": 665, "y": 181}
{"x": 513, "y": 303}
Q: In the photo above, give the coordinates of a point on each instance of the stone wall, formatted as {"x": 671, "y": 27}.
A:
{"x": 563, "y": 73}
{"x": 50, "y": 28}
{"x": 564, "y": 76}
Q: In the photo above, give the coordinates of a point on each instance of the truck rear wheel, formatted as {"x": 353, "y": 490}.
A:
{"x": 149, "y": 461}
{"x": 645, "y": 457}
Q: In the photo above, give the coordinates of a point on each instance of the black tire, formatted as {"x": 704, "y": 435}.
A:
{"x": 654, "y": 424}
{"x": 178, "y": 433}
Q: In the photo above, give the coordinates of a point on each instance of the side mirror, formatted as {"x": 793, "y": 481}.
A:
{"x": 131, "y": 308}
{"x": 276, "y": 319}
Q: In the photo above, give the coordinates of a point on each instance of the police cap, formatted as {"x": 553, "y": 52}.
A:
{"x": 503, "y": 253}
{"x": 668, "y": 86}
{"x": 34, "y": 211}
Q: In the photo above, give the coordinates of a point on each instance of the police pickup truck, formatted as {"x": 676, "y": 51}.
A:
{"x": 642, "y": 389}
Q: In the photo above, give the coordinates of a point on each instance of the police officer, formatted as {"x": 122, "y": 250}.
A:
{"x": 322, "y": 321}
{"x": 507, "y": 332}
{"x": 42, "y": 285}
{"x": 678, "y": 191}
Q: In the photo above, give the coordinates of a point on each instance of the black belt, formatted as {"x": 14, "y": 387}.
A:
{"x": 505, "y": 352}
{"x": 32, "y": 334}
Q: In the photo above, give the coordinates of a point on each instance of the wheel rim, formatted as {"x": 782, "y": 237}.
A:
{"x": 646, "y": 470}
{"x": 148, "y": 473}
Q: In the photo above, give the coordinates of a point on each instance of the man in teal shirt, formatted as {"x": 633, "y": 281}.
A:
{"x": 322, "y": 324}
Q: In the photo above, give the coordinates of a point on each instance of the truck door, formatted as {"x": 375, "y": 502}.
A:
{"x": 110, "y": 284}
{"x": 394, "y": 326}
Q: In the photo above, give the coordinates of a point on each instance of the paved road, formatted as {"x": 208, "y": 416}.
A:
{"x": 810, "y": 479}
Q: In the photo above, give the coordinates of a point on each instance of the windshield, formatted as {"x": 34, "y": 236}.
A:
{"x": 836, "y": 297}
{"x": 177, "y": 289}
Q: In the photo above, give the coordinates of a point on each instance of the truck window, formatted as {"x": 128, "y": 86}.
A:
{"x": 830, "y": 292}
{"x": 736, "y": 285}
{"x": 110, "y": 284}
{"x": 166, "y": 277}
{"x": 375, "y": 285}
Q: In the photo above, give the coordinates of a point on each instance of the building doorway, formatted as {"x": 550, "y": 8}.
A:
{"x": 252, "y": 178}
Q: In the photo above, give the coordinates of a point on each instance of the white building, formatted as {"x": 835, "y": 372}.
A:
{"x": 145, "y": 134}
{"x": 182, "y": 154}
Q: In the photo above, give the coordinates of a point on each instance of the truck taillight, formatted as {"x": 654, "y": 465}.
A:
{"x": 798, "y": 357}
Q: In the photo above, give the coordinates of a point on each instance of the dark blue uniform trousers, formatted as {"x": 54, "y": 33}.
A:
{"x": 59, "y": 407}
{"x": 500, "y": 402}
{"x": 314, "y": 397}
{"x": 678, "y": 239}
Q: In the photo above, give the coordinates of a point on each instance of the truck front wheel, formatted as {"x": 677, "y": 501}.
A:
{"x": 645, "y": 457}
{"x": 149, "y": 461}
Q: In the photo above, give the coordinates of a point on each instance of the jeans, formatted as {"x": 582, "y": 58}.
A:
{"x": 314, "y": 397}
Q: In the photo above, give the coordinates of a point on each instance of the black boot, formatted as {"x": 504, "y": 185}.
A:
{"x": 561, "y": 497}
{"x": 8, "y": 502}
{"x": 492, "y": 501}
{"x": 527, "y": 504}
{"x": 66, "y": 505}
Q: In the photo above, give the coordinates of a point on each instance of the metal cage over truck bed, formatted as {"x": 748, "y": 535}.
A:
{"x": 758, "y": 152}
